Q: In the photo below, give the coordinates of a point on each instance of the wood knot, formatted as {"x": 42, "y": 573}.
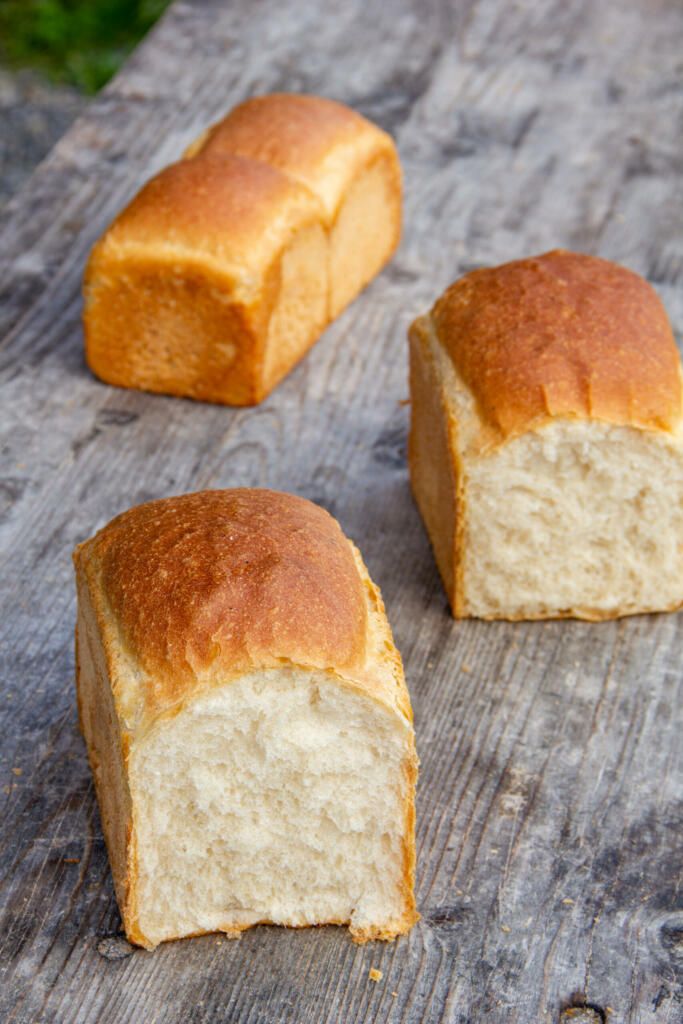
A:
{"x": 448, "y": 917}
{"x": 671, "y": 937}
{"x": 515, "y": 792}
{"x": 114, "y": 947}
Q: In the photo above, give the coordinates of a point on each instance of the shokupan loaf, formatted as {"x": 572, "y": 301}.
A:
{"x": 228, "y": 265}
{"x": 247, "y": 720}
{"x": 546, "y": 443}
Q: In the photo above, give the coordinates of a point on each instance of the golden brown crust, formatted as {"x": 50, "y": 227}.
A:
{"x": 225, "y": 581}
{"x": 431, "y": 455}
{"x": 106, "y": 745}
{"x": 360, "y": 936}
{"x": 220, "y": 355}
{"x": 314, "y": 140}
{"x": 561, "y": 334}
{"x": 236, "y": 212}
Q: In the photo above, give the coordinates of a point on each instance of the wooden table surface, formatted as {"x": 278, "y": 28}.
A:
{"x": 549, "y": 819}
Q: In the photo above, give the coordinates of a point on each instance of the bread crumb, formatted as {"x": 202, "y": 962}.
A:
{"x": 375, "y": 975}
{"x": 394, "y": 993}
{"x": 568, "y": 902}
{"x": 505, "y": 927}
{"x": 17, "y": 771}
{"x": 465, "y": 668}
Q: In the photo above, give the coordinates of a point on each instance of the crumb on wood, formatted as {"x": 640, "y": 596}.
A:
{"x": 505, "y": 928}
{"x": 17, "y": 771}
{"x": 465, "y": 668}
{"x": 568, "y": 901}
{"x": 394, "y": 994}
{"x": 375, "y": 975}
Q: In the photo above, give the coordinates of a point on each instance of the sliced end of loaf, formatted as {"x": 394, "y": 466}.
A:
{"x": 289, "y": 802}
{"x": 578, "y": 519}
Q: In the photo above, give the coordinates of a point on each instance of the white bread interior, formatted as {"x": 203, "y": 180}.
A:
{"x": 579, "y": 519}
{"x": 285, "y": 804}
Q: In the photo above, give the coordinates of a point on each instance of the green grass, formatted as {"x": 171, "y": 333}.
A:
{"x": 80, "y": 42}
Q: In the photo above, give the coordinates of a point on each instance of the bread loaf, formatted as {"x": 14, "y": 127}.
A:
{"x": 228, "y": 265}
{"x": 247, "y": 720}
{"x": 546, "y": 444}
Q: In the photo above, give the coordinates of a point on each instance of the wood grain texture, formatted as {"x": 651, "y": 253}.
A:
{"x": 550, "y": 813}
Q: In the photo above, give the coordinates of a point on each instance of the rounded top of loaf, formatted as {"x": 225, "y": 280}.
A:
{"x": 217, "y": 583}
{"x": 561, "y": 335}
{"x": 318, "y": 142}
{"x": 226, "y": 208}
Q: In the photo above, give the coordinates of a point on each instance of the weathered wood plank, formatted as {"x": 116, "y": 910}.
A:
{"x": 550, "y": 797}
